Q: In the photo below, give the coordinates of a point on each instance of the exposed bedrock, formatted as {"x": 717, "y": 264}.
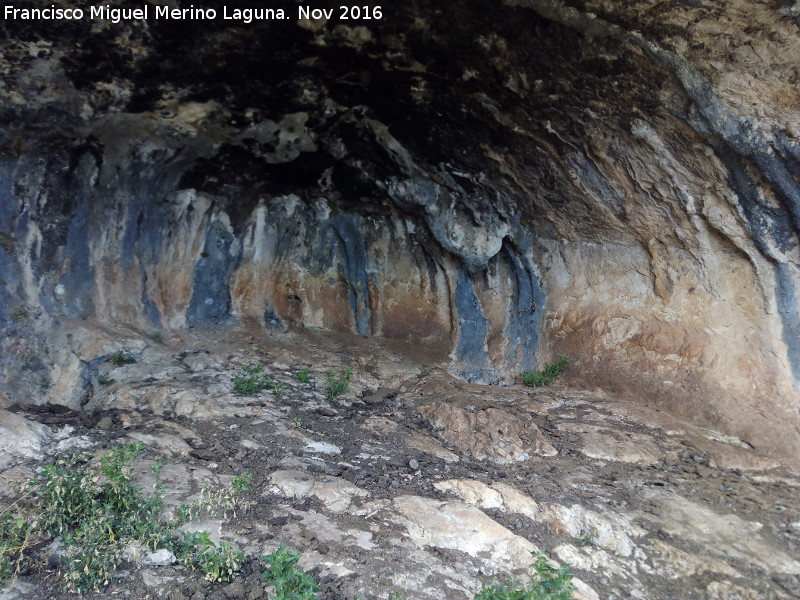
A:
{"x": 498, "y": 183}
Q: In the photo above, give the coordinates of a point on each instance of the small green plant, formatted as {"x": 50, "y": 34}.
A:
{"x": 241, "y": 483}
{"x": 297, "y": 423}
{"x": 277, "y": 388}
{"x": 213, "y": 501}
{"x": 585, "y": 539}
{"x": 336, "y": 386}
{"x": 289, "y": 581}
{"x": 90, "y": 557}
{"x": 217, "y": 562}
{"x": 14, "y": 534}
{"x": 547, "y": 583}
{"x": 104, "y": 380}
{"x": 157, "y": 467}
{"x": 304, "y": 375}
{"x": 121, "y": 358}
{"x": 20, "y": 315}
{"x": 44, "y": 383}
{"x": 251, "y": 380}
{"x": 156, "y": 336}
{"x": 547, "y": 375}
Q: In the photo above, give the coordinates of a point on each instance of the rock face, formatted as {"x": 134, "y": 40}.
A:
{"x": 618, "y": 183}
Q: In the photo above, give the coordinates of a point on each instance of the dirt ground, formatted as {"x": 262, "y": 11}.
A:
{"x": 416, "y": 484}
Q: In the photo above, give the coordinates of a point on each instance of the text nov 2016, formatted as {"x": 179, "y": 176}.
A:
{"x": 143, "y": 13}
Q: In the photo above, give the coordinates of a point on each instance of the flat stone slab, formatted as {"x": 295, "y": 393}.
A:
{"x": 336, "y": 494}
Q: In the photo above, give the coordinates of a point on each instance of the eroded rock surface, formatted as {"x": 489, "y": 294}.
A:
{"x": 500, "y": 183}
{"x": 381, "y": 501}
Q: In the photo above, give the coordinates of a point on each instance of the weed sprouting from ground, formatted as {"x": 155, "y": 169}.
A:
{"x": 217, "y": 562}
{"x": 97, "y": 511}
{"x": 547, "y": 583}
{"x": 215, "y": 502}
{"x": 336, "y": 386}
{"x": 304, "y": 375}
{"x": 241, "y": 483}
{"x": 252, "y": 380}
{"x": 547, "y": 375}
{"x": 14, "y": 535}
{"x": 289, "y": 581}
{"x": 121, "y": 358}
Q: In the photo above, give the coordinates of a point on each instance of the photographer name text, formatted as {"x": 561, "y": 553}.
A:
{"x": 146, "y": 12}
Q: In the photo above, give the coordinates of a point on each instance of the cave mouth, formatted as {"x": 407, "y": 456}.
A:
{"x": 500, "y": 184}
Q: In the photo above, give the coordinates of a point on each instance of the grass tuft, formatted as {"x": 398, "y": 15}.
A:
{"x": 304, "y": 375}
{"x": 252, "y": 380}
{"x": 336, "y": 386}
{"x": 547, "y": 375}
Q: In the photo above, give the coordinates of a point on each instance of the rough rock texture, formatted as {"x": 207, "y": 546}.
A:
{"x": 382, "y": 505}
{"x": 614, "y": 182}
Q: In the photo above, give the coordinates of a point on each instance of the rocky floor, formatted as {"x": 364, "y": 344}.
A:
{"x": 416, "y": 484}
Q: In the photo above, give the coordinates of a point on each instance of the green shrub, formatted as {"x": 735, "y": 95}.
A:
{"x": 120, "y": 359}
{"x": 547, "y": 375}
{"x": 252, "y": 380}
{"x": 290, "y": 582}
{"x": 304, "y": 375}
{"x": 72, "y": 495}
{"x": 90, "y": 556}
{"x": 98, "y": 511}
{"x": 217, "y": 562}
{"x": 547, "y": 583}
{"x": 336, "y": 386}
{"x": 14, "y": 533}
